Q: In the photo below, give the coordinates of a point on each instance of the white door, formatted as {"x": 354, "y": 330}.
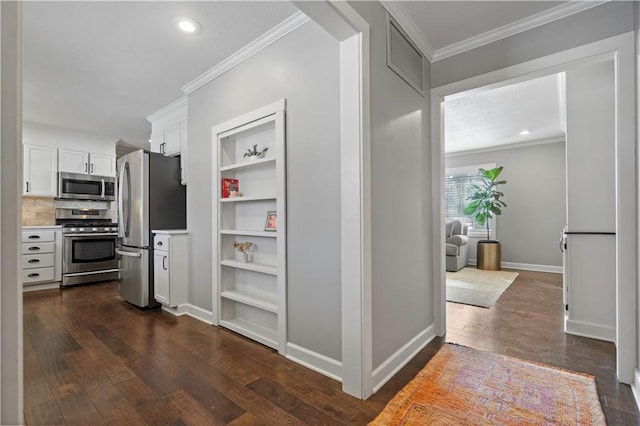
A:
{"x": 590, "y": 259}
{"x": 40, "y": 171}
{"x": 73, "y": 161}
{"x": 102, "y": 165}
{"x": 161, "y": 276}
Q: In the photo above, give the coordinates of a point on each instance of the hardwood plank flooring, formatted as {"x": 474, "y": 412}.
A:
{"x": 91, "y": 358}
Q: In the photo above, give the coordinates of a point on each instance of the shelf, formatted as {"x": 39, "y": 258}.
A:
{"x": 254, "y": 331}
{"x": 248, "y": 164}
{"x": 241, "y": 199}
{"x": 249, "y": 233}
{"x": 251, "y": 299}
{"x": 251, "y": 266}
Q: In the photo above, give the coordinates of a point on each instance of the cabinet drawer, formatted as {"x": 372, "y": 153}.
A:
{"x": 161, "y": 242}
{"x": 37, "y": 260}
{"x": 35, "y": 236}
{"x": 33, "y": 248}
{"x": 37, "y": 275}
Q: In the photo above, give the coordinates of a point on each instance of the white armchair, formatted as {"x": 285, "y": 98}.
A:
{"x": 457, "y": 245}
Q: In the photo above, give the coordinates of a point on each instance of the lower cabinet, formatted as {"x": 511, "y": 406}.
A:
{"x": 170, "y": 273}
{"x": 41, "y": 257}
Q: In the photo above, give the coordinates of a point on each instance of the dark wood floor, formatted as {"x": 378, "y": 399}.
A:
{"x": 92, "y": 359}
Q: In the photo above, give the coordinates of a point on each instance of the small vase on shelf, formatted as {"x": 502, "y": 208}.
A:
{"x": 244, "y": 257}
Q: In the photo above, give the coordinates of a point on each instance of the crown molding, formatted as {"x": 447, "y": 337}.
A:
{"x": 409, "y": 27}
{"x": 173, "y": 106}
{"x": 285, "y": 27}
{"x": 508, "y": 30}
{"x": 512, "y": 145}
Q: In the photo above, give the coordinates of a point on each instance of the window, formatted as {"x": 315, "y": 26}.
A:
{"x": 457, "y": 187}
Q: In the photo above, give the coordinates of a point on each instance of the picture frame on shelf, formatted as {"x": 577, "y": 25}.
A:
{"x": 230, "y": 188}
{"x": 271, "y": 223}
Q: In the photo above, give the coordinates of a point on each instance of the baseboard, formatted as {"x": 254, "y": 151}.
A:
{"x": 36, "y": 287}
{"x": 635, "y": 387}
{"x": 593, "y": 331}
{"x": 532, "y": 267}
{"x": 524, "y": 266}
{"x": 192, "y": 311}
{"x": 314, "y": 361}
{"x": 401, "y": 357}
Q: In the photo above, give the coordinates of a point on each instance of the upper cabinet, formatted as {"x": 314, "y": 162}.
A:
{"x": 40, "y": 170}
{"x": 169, "y": 132}
{"x": 84, "y": 162}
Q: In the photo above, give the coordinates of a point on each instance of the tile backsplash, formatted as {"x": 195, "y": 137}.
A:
{"x": 42, "y": 211}
{"x": 38, "y": 211}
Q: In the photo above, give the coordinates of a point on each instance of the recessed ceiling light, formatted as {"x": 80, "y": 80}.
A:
{"x": 525, "y": 132}
{"x": 186, "y": 25}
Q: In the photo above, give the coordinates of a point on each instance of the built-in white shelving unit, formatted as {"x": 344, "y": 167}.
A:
{"x": 251, "y": 295}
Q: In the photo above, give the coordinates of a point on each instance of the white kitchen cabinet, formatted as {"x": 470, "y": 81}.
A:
{"x": 169, "y": 132}
{"x": 40, "y": 169}
{"x": 251, "y": 293}
{"x": 170, "y": 269}
{"x": 41, "y": 257}
{"x": 72, "y": 161}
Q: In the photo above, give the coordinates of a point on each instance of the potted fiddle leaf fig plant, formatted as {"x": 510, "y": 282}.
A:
{"x": 484, "y": 205}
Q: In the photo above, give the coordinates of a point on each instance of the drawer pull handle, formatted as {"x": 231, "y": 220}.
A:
{"x": 34, "y": 248}
{"x": 33, "y": 275}
{"x": 159, "y": 243}
{"x": 34, "y": 237}
{"x": 34, "y": 260}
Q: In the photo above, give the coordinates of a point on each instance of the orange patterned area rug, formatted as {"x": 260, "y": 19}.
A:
{"x": 464, "y": 386}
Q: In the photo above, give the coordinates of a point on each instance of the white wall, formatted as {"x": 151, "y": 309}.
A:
{"x": 402, "y": 282}
{"x": 600, "y": 22}
{"x": 11, "y": 405}
{"x": 302, "y": 67}
{"x": 55, "y": 137}
{"x": 529, "y": 227}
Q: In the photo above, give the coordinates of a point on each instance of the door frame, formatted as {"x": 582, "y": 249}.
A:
{"x": 620, "y": 49}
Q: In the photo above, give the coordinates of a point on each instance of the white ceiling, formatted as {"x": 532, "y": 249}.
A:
{"x": 103, "y": 67}
{"x": 496, "y": 117}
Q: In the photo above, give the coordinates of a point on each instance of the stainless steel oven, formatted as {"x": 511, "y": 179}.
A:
{"x": 89, "y": 246}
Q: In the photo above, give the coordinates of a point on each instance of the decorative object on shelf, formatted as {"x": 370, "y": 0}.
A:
{"x": 243, "y": 248}
{"x": 254, "y": 153}
{"x": 272, "y": 221}
{"x": 485, "y": 203}
{"x": 230, "y": 188}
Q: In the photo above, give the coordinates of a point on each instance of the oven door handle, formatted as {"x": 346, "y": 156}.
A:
{"x": 128, "y": 253}
{"x": 97, "y": 234}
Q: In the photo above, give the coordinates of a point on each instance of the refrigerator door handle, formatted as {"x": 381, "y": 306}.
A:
{"x": 128, "y": 253}
{"x": 124, "y": 213}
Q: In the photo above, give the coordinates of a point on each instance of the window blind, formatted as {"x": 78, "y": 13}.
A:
{"x": 456, "y": 190}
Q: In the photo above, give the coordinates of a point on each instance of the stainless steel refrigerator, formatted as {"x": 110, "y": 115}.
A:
{"x": 150, "y": 196}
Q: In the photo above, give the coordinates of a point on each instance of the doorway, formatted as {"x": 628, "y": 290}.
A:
{"x": 620, "y": 50}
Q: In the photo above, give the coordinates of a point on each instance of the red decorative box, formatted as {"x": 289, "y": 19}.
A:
{"x": 230, "y": 188}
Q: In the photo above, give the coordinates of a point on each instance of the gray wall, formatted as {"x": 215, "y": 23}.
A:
{"x": 636, "y": 15}
{"x": 600, "y": 22}
{"x": 402, "y": 282}
{"x": 11, "y": 383}
{"x": 302, "y": 67}
{"x": 535, "y": 193}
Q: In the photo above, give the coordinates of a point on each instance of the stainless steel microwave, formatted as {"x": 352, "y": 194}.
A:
{"x": 77, "y": 186}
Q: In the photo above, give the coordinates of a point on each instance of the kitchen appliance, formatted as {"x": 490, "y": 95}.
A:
{"x": 150, "y": 196}
{"x": 89, "y": 245}
{"x": 78, "y": 186}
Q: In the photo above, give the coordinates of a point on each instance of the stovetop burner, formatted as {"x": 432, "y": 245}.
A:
{"x": 85, "y": 221}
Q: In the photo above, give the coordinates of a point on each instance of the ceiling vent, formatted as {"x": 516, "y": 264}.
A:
{"x": 403, "y": 57}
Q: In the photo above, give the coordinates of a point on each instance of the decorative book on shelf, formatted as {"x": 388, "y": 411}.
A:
{"x": 230, "y": 187}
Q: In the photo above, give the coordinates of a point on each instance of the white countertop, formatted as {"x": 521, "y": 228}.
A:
{"x": 42, "y": 227}
{"x": 170, "y": 231}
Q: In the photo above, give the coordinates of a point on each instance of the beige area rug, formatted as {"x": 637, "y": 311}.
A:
{"x": 477, "y": 287}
